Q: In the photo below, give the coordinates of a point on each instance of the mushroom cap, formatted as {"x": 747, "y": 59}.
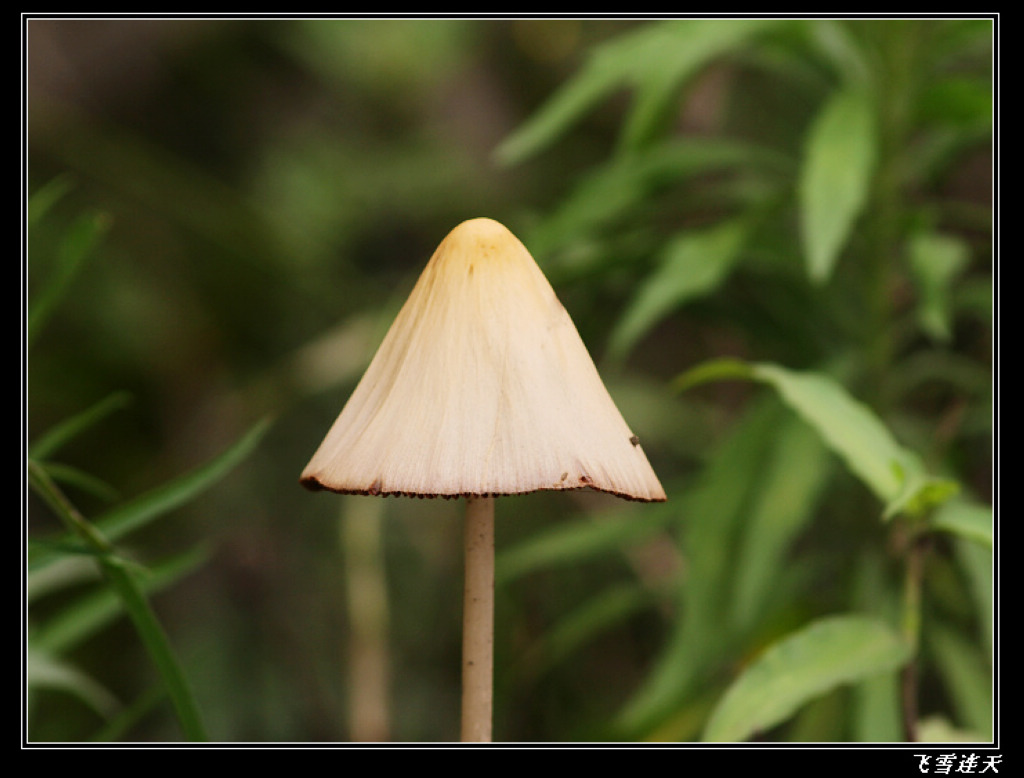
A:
{"x": 482, "y": 386}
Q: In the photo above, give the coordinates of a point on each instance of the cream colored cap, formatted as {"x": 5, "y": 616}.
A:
{"x": 482, "y": 386}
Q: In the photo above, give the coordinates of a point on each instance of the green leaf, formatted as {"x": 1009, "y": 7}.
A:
{"x": 87, "y": 615}
{"x": 838, "y": 164}
{"x": 655, "y": 61}
{"x": 607, "y": 197}
{"x": 576, "y": 629}
{"x": 165, "y": 498}
{"x": 75, "y": 248}
{"x": 123, "y": 581}
{"x": 583, "y": 91}
{"x": 45, "y": 197}
{"x": 937, "y": 729}
{"x": 664, "y": 66}
{"x": 921, "y": 492}
{"x": 46, "y": 672}
{"x": 72, "y": 476}
{"x": 852, "y": 430}
{"x": 571, "y": 542}
{"x": 712, "y": 509}
{"x": 876, "y": 709}
{"x": 119, "y": 726}
{"x": 958, "y": 100}
{"x": 181, "y": 490}
{"x": 966, "y": 677}
{"x": 69, "y": 429}
{"x": 874, "y": 703}
{"x": 804, "y": 665}
{"x": 936, "y": 261}
{"x": 691, "y": 266}
{"x": 793, "y": 478}
{"x": 977, "y": 564}
{"x": 63, "y": 573}
{"x": 725, "y": 369}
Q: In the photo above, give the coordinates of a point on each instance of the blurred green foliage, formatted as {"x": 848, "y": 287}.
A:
{"x": 810, "y": 199}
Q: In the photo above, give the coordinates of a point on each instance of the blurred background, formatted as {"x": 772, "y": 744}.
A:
{"x": 224, "y": 218}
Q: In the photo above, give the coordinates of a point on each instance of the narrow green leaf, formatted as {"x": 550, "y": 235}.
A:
{"x": 969, "y": 520}
{"x": 712, "y": 510}
{"x": 573, "y": 631}
{"x": 838, "y": 164}
{"x": 655, "y": 60}
{"x": 598, "y": 77}
{"x": 84, "y": 617}
{"x": 937, "y": 729}
{"x": 158, "y": 646}
{"x": 572, "y": 542}
{"x": 793, "y": 478}
{"x": 921, "y": 492}
{"x": 806, "y": 664}
{"x": 181, "y": 490}
{"x": 875, "y": 706}
{"x": 664, "y": 66}
{"x": 72, "y": 476}
{"x": 724, "y": 369}
{"x": 607, "y": 197}
{"x": 45, "y": 197}
{"x": 43, "y": 671}
{"x": 63, "y": 573}
{"x": 966, "y": 676}
{"x": 852, "y": 430}
{"x": 822, "y": 720}
{"x": 958, "y": 100}
{"x": 936, "y": 261}
{"x": 122, "y": 579}
{"x": 977, "y": 564}
{"x": 876, "y": 709}
{"x": 118, "y": 726}
{"x": 138, "y": 512}
{"x": 691, "y": 266}
{"x": 77, "y": 246}
{"x": 838, "y": 42}
{"x": 67, "y": 430}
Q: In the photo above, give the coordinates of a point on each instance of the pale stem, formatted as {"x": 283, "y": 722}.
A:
{"x": 368, "y": 619}
{"x": 478, "y": 621}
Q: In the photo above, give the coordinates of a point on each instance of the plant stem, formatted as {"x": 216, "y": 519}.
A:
{"x": 912, "y": 583}
{"x": 135, "y": 603}
{"x": 478, "y": 621}
{"x": 368, "y": 618}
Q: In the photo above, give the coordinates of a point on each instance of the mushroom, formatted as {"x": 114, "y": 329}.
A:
{"x": 482, "y": 387}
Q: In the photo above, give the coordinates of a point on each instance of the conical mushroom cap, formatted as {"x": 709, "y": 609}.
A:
{"x": 482, "y": 386}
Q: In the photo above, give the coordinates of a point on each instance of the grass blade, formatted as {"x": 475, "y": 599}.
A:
{"x": 691, "y": 266}
{"x": 654, "y": 60}
{"x": 45, "y": 197}
{"x": 839, "y": 162}
{"x": 852, "y": 430}
{"x": 969, "y": 520}
{"x": 572, "y": 542}
{"x": 714, "y": 508}
{"x": 159, "y": 501}
{"x": 45, "y": 671}
{"x": 69, "y": 429}
{"x": 936, "y": 261}
{"x": 801, "y": 667}
{"x": 86, "y": 616}
{"x": 123, "y": 582}
{"x": 80, "y": 242}
{"x": 793, "y": 479}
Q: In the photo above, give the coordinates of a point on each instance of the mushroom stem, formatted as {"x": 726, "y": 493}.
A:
{"x": 478, "y": 621}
